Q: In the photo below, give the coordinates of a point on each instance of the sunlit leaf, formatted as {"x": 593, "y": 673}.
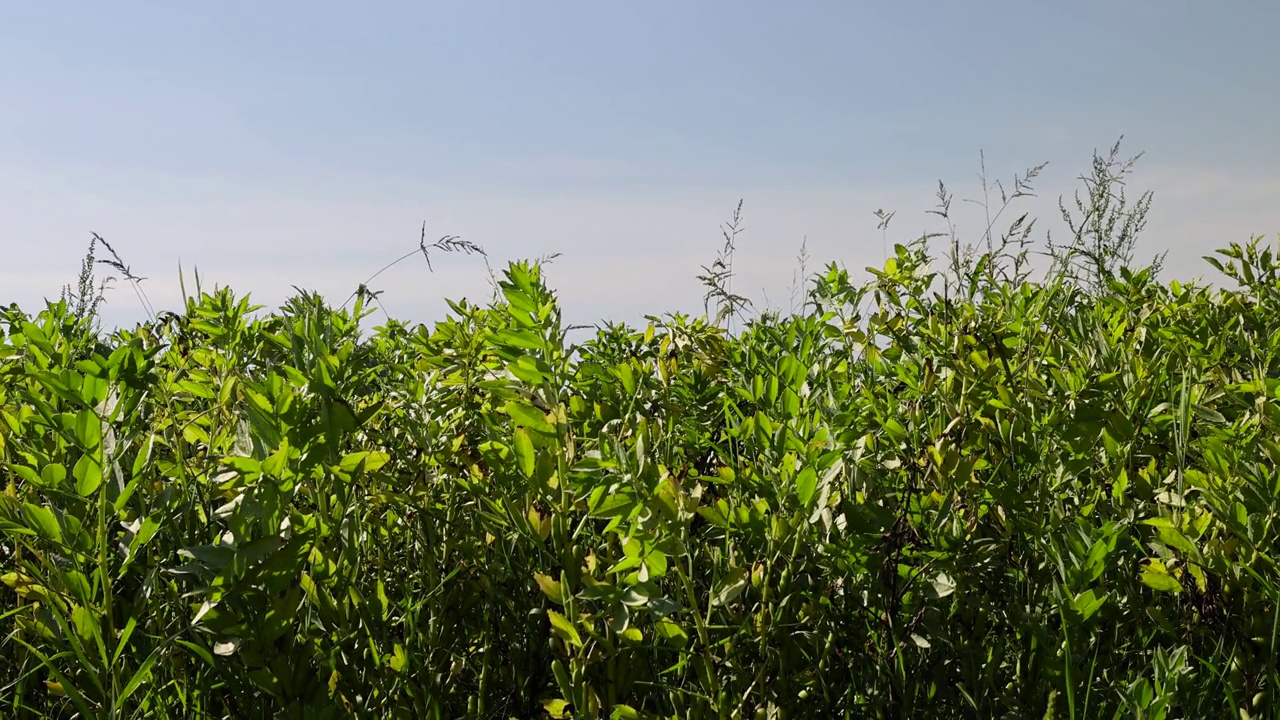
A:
{"x": 564, "y": 629}
{"x": 730, "y": 586}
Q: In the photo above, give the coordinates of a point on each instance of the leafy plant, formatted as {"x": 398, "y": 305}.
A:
{"x": 926, "y": 495}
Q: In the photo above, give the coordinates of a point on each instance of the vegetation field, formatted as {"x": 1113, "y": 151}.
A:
{"x": 957, "y": 490}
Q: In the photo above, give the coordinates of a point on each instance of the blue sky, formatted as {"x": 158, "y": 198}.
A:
{"x": 288, "y": 143}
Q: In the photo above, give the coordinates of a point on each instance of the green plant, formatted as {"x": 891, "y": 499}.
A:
{"x": 928, "y": 495}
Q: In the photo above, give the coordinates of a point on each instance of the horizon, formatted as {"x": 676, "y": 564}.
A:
{"x": 304, "y": 145}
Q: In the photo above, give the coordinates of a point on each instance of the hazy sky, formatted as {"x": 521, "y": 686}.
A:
{"x": 286, "y": 143}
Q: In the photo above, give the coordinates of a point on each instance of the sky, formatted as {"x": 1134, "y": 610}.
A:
{"x": 281, "y": 144}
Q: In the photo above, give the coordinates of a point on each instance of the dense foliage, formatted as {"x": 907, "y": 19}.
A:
{"x": 1004, "y": 498}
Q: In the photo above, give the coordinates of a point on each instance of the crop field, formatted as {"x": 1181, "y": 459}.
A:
{"x": 955, "y": 490}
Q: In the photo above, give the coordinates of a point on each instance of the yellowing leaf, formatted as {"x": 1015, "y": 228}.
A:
{"x": 553, "y": 589}
{"x": 555, "y": 708}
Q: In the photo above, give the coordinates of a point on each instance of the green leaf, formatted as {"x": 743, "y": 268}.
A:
{"x": 399, "y": 660}
{"x": 668, "y": 630}
{"x": 375, "y": 460}
{"x": 53, "y": 475}
{"x": 531, "y": 370}
{"x": 341, "y": 418}
{"x": 29, "y": 474}
{"x": 1155, "y": 576}
{"x": 276, "y": 462}
{"x": 143, "y": 457}
{"x": 637, "y": 596}
{"x": 146, "y": 530}
{"x": 1208, "y": 414}
{"x": 197, "y": 389}
{"x": 564, "y": 629}
{"x": 730, "y": 586}
{"x": 656, "y": 562}
{"x": 529, "y": 416}
{"x": 85, "y": 622}
{"x": 525, "y": 456}
{"x": 1087, "y": 603}
{"x": 607, "y": 503}
{"x": 42, "y": 520}
{"x": 523, "y": 339}
{"x": 94, "y": 389}
{"x": 384, "y": 603}
{"x": 1176, "y": 540}
{"x": 351, "y": 461}
{"x": 88, "y": 474}
{"x": 88, "y": 430}
{"x": 806, "y": 483}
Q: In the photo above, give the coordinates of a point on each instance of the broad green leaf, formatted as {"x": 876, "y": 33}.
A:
{"x": 1087, "y": 603}
{"x": 352, "y": 461}
{"x": 94, "y": 390}
{"x": 730, "y": 586}
{"x": 717, "y": 514}
{"x": 29, "y": 474}
{"x": 806, "y": 483}
{"x": 529, "y": 369}
{"x": 1176, "y": 540}
{"x": 608, "y": 503}
{"x": 529, "y": 416}
{"x": 523, "y": 339}
{"x": 53, "y": 475}
{"x": 635, "y": 596}
{"x": 1155, "y": 576}
{"x": 88, "y": 430}
{"x": 88, "y": 474}
{"x": 86, "y": 623}
{"x": 525, "y": 456}
{"x": 670, "y": 631}
{"x": 564, "y": 629}
{"x": 656, "y": 562}
{"x": 375, "y": 460}
{"x": 42, "y": 520}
